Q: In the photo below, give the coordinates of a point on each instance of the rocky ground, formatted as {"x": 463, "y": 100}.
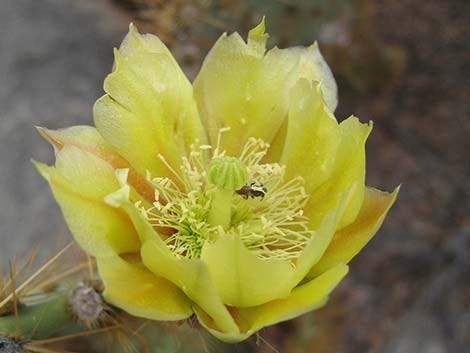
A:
{"x": 409, "y": 291}
{"x": 54, "y": 55}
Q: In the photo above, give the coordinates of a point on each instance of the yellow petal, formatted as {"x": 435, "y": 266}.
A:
{"x": 320, "y": 241}
{"x": 81, "y": 136}
{"x": 134, "y": 42}
{"x": 242, "y": 279}
{"x": 350, "y": 240}
{"x": 309, "y": 296}
{"x": 304, "y": 298}
{"x": 194, "y": 279}
{"x": 88, "y": 139}
{"x": 190, "y": 275}
{"x": 79, "y": 183}
{"x": 313, "y": 67}
{"x": 241, "y": 87}
{"x": 228, "y": 336}
{"x": 130, "y": 286}
{"x": 313, "y": 137}
{"x": 348, "y": 171}
{"x": 149, "y": 107}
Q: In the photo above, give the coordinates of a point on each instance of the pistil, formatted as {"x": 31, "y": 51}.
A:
{"x": 227, "y": 174}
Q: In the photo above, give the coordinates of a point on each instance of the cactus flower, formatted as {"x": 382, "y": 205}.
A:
{"x": 238, "y": 198}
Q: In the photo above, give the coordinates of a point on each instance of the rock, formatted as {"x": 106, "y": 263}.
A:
{"x": 417, "y": 332}
{"x": 54, "y": 56}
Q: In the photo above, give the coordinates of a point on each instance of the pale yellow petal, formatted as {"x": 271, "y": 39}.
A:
{"x": 242, "y": 279}
{"x": 226, "y": 336}
{"x": 307, "y": 297}
{"x": 190, "y": 275}
{"x": 88, "y": 139}
{"x": 304, "y": 103}
{"x": 242, "y": 87}
{"x": 149, "y": 108}
{"x": 313, "y": 137}
{"x": 317, "y": 245}
{"x": 348, "y": 172}
{"x": 134, "y": 42}
{"x": 81, "y": 136}
{"x": 313, "y": 67}
{"x": 350, "y": 240}
{"x": 79, "y": 182}
{"x": 130, "y": 286}
{"x": 304, "y": 298}
{"x": 194, "y": 279}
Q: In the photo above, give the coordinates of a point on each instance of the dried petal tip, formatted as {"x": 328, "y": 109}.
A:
{"x": 228, "y": 173}
{"x": 10, "y": 345}
{"x": 86, "y": 305}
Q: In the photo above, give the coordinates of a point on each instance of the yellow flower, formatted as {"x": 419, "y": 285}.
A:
{"x": 239, "y": 198}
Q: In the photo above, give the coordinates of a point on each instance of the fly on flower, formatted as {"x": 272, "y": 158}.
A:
{"x": 253, "y": 190}
{"x": 154, "y": 190}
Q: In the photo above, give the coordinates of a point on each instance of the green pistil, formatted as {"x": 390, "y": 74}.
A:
{"x": 227, "y": 174}
{"x": 220, "y": 212}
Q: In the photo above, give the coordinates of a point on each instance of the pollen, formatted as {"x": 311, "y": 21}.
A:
{"x": 272, "y": 226}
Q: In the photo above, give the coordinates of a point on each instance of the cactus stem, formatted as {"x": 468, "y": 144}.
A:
{"x": 39, "y": 320}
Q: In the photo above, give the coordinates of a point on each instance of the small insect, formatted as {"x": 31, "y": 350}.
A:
{"x": 253, "y": 190}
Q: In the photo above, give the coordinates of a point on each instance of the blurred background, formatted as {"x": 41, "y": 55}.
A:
{"x": 403, "y": 64}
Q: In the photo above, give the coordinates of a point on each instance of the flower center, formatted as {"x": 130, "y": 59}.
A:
{"x": 227, "y": 196}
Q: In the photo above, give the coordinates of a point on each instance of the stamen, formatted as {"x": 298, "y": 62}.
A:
{"x": 272, "y": 226}
{"x": 254, "y": 151}
{"x": 170, "y": 168}
{"x": 219, "y": 140}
